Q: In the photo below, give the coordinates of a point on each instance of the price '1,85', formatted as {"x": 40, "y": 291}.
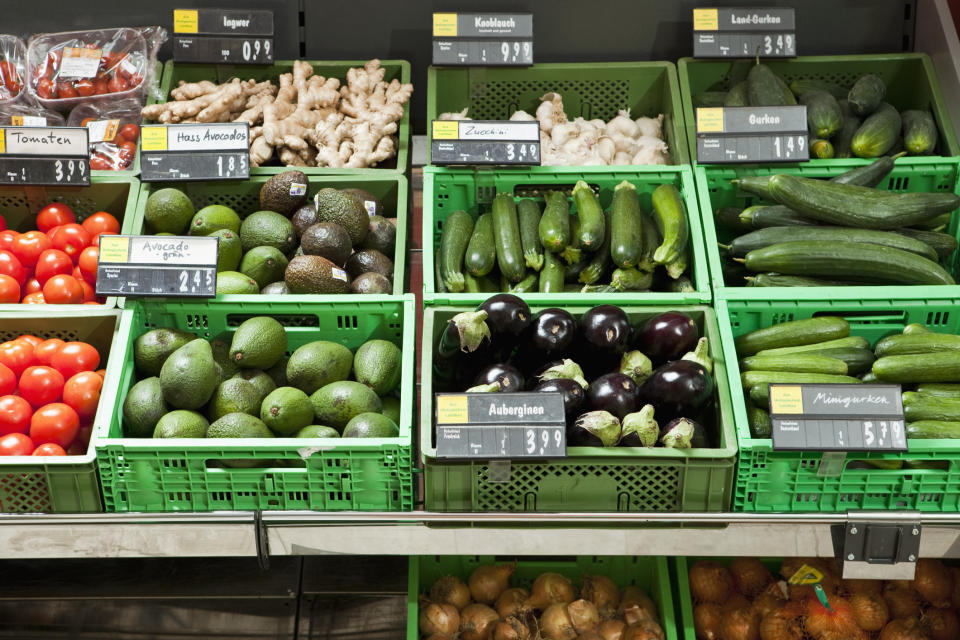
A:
{"x": 542, "y": 445}
{"x": 233, "y": 165}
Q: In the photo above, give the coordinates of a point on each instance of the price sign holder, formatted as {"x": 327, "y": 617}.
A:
{"x": 45, "y": 156}
{"x": 837, "y": 417}
{"x": 164, "y": 266}
{"x": 744, "y": 32}
{"x": 483, "y": 39}
{"x": 473, "y": 142}
{"x": 178, "y": 152}
{"x": 219, "y": 36}
{"x": 500, "y": 425}
{"x": 740, "y": 135}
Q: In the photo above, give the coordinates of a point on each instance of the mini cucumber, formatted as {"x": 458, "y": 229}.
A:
{"x": 599, "y": 260}
{"x": 919, "y": 132}
{"x": 760, "y": 396}
{"x": 753, "y": 378}
{"x": 943, "y": 390}
{"x": 506, "y": 234}
{"x": 759, "y": 421}
{"x": 456, "y": 232}
{"x": 670, "y": 214}
{"x": 943, "y": 244}
{"x": 551, "y": 276}
{"x": 878, "y": 133}
{"x": 921, "y": 367}
{"x": 848, "y": 342}
{"x": 626, "y": 227}
{"x": 869, "y": 377}
{"x": 528, "y": 215}
{"x": 857, "y": 360}
{"x": 741, "y": 246}
{"x": 792, "y": 334}
{"x": 590, "y": 214}
{"x": 797, "y": 362}
{"x": 917, "y": 406}
{"x": 933, "y": 430}
{"x": 774, "y": 215}
{"x": 554, "y": 227}
{"x": 912, "y": 343}
{"x": 481, "y": 253}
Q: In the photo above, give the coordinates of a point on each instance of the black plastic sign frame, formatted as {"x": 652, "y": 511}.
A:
{"x": 152, "y": 266}
{"x": 744, "y": 32}
{"x": 195, "y": 152}
{"x": 223, "y": 36}
{"x": 736, "y": 135}
{"x": 474, "y": 142}
{"x": 483, "y": 39}
{"x": 45, "y": 156}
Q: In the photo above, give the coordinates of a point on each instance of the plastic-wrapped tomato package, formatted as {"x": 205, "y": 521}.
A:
{"x": 25, "y": 114}
{"x": 113, "y": 129}
{"x": 13, "y": 68}
{"x": 69, "y": 68}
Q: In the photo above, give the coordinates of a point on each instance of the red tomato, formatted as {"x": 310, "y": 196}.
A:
{"x": 100, "y": 163}
{"x": 75, "y": 357}
{"x": 29, "y": 339}
{"x": 49, "y": 449}
{"x": 52, "y": 262}
{"x": 62, "y": 289}
{"x": 17, "y": 356}
{"x": 41, "y": 385}
{"x": 101, "y": 222}
{"x": 130, "y": 131}
{"x": 33, "y": 298}
{"x": 46, "y": 89}
{"x": 102, "y": 373}
{"x": 117, "y": 84}
{"x": 9, "y": 290}
{"x": 16, "y": 444}
{"x": 53, "y": 215}
{"x": 70, "y": 238}
{"x": 44, "y": 351}
{"x": 84, "y": 87}
{"x": 8, "y": 381}
{"x": 3, "y": 224}
{"x": 99, "y": 86}
{"x": 11, "y": 266}
{"x": 55, "y": 422}
{"x": 89, "y": 292}
{"x": 28, "y": 247}
{"x": 6, "y": 238}
{"x": 129, "y": 147}
{"x": 66, "y": 90}
{"x": 95, "y": 241}
{"x": 82, "y": 392}
{"x": 15, "y": 413}
{"x": 87, "y": 263}
{"x": 31, "y": 286}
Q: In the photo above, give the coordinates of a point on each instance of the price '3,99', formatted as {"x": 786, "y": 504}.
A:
{"x": 70, "y": 171}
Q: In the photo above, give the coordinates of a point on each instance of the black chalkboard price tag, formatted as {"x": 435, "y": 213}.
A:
{"x": 45, "y": 156}
{"x": 178, "y": 152}
{"x": 752, "y": 134}
{"x": 837, "y": 417}
{"x": 473, "y": 142}
{"x": 223, "y": 36}
{"x": 500, "y": 425}
{"x": 483, "y": 39}
{"x": 744, "y": 32}
{"x": 165, "y": 266}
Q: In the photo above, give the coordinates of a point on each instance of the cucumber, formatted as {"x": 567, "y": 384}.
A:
{"x": 456, "y": 232}
{"x": 590, "y": 213}
{"x": 792, "y": 334}
{"x": 921, "y": 367}
{"x": 824, "y": 117}
{"x": 626, "y": 227}
{"x": 939, "y": 223}
{"x": 933, "y": 430}
{"x": 820, "y": 148}
{"x": 572, "y": 254}
{"x": 869, "y": 175}
{"x": 481, "y": 253}
{"x": 766, "y": 89}
{"x": 869, "y": 377}
{"x": 551, "y": 276}
{"x": 774, "y": 215}
{"x": 919, "y": 132}
{"x": 844, "y": 138}
{"x": 527, "y": 285}
{"x": 869, "y": 263}
{"x": 800, "y": 87}
{"x": 866, "y": 95}
{"x": 506, "y": 235}
{"x": 729, "y": 217}
{"x": 599, "y": 260}
{"x": 760, "y": 238}
{"x": 906, "y": 344}
{"x": 554, "y": 227}
{"x": 857, "y": 360}
{"x": 670, "y": 214}
{"x": 945, "y": 390}
{"x": 848, "y": 342}
{"x": 856, "y": 206}
{"x": 481, "y": 284}
{"x": 759, "y": 421}
{"x": 796, "y": 362}
{"x": 914, "y": 328}
{"x": 760, "y": 395}
{"x": 757, "y": 185}
{"x": 528, "y": 215}
{"x": 780, "y": 280}
{"x": 917, "y": 406}
{"x": 709, "y": 99}
{"x": 878, "y": 133}
{"x": 738, "y": 96}
{"x": 631, "y": 280}
{"x": 943, "y": 244}
{"x": 753, "y": 378}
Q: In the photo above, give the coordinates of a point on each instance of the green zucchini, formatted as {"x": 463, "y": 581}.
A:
{"x": 554, "y": 227}
{"x": 683, "y": 284}
{"x": 759, "y": 421}
{"x": 869, "y": 263}
{"x": 796, "y": 362}
{"x": 590, "y": 213}
{"x": 626, "y": 233}
{"x": 678, "y": 267}
{"x": 820, "y": 148}
{"x": 599, "y": 260}
{"x": 651, "y": 240}
{"x": 943, "y": 390}
{"x": 866, "y": 94}
{"x": 753, "y": 378}
{"x": 847, "y": 342}
{"x": 571, "y": 270}
{"x": 856, "y": 206}
{"x": 572, "y": 254}
{"x": 921, "y": 367}
{"x": 792, "y": 334}
{"x": 824, "y": 117}
{"x": 760, "y": 395}
{"x": 593, "y": 288}
{"x": 729, "y": 217}
{"x": 631, "y": 279}
{"x": 709, "y": 99}
{"x": 906, "y": 344}
{"x": 933, "y": 430}
{"x": 780, "y": 280}
{"x": 868, "y": 175}
{"x": 762, "y": 216}
{"x": 528, "y": 215}
{"x": 479, "y": 284}
{"x": 858, "y": 360}
{"x": 551, "y": 276}
{"x": 438, "y": 276}
{"x": 670, "y": 214}
{"x": 760, "y": 238}
{"x": 917, "y": 406}
{"x": 914, "y": 328}
{"x": 943, "y": 244}
{"x": 766, "y": 89}
{"x": 527, "y": 285}
{"x": 506, "y": 235}
{"x": 481, "y": 253}
{"x": 878, "y": 133}
{"x": 844, "y": 137}
{"x": 919, "y": 132}
{"x": 802, "y": 86}
{"x": 738, "y": 96}
{"x": 454, "y": 236}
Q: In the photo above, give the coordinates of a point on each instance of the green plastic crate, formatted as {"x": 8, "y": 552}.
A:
{"x": 919, "y": 175}
{"x": 359, "y": 474}
{"x": 445, "y": 192}
{"x": 115, "y": 194}
{"x": 792, "y": 481}
{"x": 589, "y": 89}
{"x": 648, "y": 573}
{"x": 910, "y": 78}
{"x": 244, "y": 198}
{"x": 175, "y": 72}
{"x": 589, "y": 478}
{"x": 63, "y": 484}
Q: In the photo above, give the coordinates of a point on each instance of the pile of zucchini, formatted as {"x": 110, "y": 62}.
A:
{"x": 519, "y": 249}
{"x": 821, "y": 350}
{"x": 836, "y": 232}
{"x": 843, "y": 122}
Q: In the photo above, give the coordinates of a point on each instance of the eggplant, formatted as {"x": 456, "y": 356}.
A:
{"x": 507, "y": 375}
{"x": 701, "y": 355}
{"x": 683, "y": 433}
{"x": 636, "y": 365}
{"x": 594, "y": 429}
{"x": 678, "y": 388}
{"x": 613, "y": 392}
{"x": 507, "y": 315}
{"x": 551, "y": 332}
{"x": 566, "y": 369}
{"x": 464, "y": 333}
{"x": 667, "y": 336}
{"x": 493, "y": 387}
{"x": 639, "y": 429}
{"x": 606, "y": 328}
{"x": 573, "y": 394}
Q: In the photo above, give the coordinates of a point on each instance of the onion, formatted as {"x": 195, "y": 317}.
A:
{"x": 838, "y": 619}
{"x": 902, "y": 600}
{"x": 903, "y": 629}
{"x": 511, "y": 629}
{"x": 740, "y": 624}
{"x": 548, "y": 589}
{"x": 450, "y": 590}
{"x": 590, "y": 635}
{"x": 555, "y": 623}
{"x": 933, "y": 582}
{"x": 643, "y": 631}
{"x": 940, "y": 624}
{"x": 772, "y": 598}
{"x": 750, "y": 576}
{"x": 862, "y": 587}
{"x": 706, "y": 620}
{"x": 955, "y": 598}
{"x": 870, "y": 611}
{"x": 736, "y": 601}
{"x": 477, "y": 622}
{"x": 436, "y": 618}
{"x": 611, "y": 629}
{"x": 777, "y": 626}
{"x": 439, "y": 636}
{"x": 511, "y": 602}
{"x": 631, "y": 596}
{"x": 710, "y": 582}
{"x": 488, "y": 582}
{"x": 583, "y": 615}
{"x": 602, "y": 592}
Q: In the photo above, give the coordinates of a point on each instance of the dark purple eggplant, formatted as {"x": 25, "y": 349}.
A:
{"x": 565, "y": 369}
{"x": 507, "y": 375}
{"x": 551, "y": 332}
{"x": 465, "y": 332}
{"x": 507, "y": 315}
{"x": 667, "y": 336}
{"x": 606, "y": 328}
{"x": 614, "y": 392}
{"x": 573, "y": 394}
{"x": 683, "y": 433}
{"x": 677, "y": 388}
{"x": 594, "y": 429}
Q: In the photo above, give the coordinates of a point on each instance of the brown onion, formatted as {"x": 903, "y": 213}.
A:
{"x": 933, "y": 582}
{"x": 901, "y": 599}
{"x": 870, "y": 611}
{"x": 548, "y": 589}
{"x": 862, "y": 587}
{"x": 477, "y": 622}
{"x": 439, "y": 618}
{"x": 710, "y": 582}
{"x": 750, "y": 575}
{"x": 611, "y": 629}
{"x": 940, "y": 624}
{"x": 706, "y": 620}
{"x": 583, "y": 615}
{"x": 590, "y": 635}
{"x": 955, "y": 598}
{"x": 838, "y": 620}
{"x": 488, "y": 582}
{"x": 450, "y": 590}
{"x": 777, "y": 626}
{"x": 439, "y": 636}
{"x": 740, "y": 624}
{"x": 511, "y": 629}
{"x": 511, "y": 601}
{"x": 903, "y": 629}
{"x": 735, "y": 601}
{"x": 603, "y": 592}
{"x": 555, "y": 623}
{"x": 631, "y": 596}
{"x": 643, "y": 631}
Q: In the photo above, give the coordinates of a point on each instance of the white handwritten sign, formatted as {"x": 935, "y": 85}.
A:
{"x": 168, "y": 266}
{"x": 44, "y": 141}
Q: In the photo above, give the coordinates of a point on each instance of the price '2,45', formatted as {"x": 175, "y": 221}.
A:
{"x": 201, "y": 279}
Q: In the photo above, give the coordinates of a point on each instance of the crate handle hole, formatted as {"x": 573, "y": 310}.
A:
{"x": 868, "y": 317}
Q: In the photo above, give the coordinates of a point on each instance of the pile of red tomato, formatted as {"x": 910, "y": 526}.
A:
{"x": 57, "y": 264}
{"x": 116, "y": 154}
{"x": 116, "y": 73}
{"x": 49, "y": 392}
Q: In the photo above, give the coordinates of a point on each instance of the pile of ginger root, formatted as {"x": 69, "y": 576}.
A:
{"x": 305, "y": 120}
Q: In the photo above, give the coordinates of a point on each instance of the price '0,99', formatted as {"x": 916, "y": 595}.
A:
{"x": 69, "y": 170}
{"x": 543, "y": 445}
{"x": 251, "y": 50}
{"x": 200, "y": 280}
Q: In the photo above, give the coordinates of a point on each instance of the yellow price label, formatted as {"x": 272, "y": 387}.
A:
{"x": 444, "y": 25}
{"x": 114, "y": 249}
{"x": 153, "y": 138}
{"x": 706, "y": 20}
{"x": 446, "y": 130}
{"x": 16, "y": 121}
{"x": 452, "y": 410}
{"x": 786, "y": 400}
{"x": 806, "y": 575}
{"x": 186, "y": 21}
{"x": 710, "y": 120}
{"x": 3, "y": 141}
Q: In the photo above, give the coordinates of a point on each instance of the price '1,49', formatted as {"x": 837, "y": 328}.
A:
{"x": 788, "y": 146}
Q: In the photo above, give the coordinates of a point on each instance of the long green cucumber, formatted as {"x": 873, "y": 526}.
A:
{"x": 857, "y": 360}
{"x": 761, "y": 238}
{"x": 919, "y": 132}
{"x": 878, "y": 133}
{"x": 759, "y": 421}
{"x": 551, "y": 276}
{"x": 554, "y": 227}
{"x": 943, "y": 244}
{"x": 868, "y": 175}
{"x": 729, "y": 217}
{"x": 921, "y": 367}
{"x": 866, "y": 94}
{"x": 626, "y": 227}
{"x": 914, "y": 328}
{"x": 738, "y": 96}
{"x": 592, "y": 221}
{"x": 933, "y": 430}
{"x": 917, "y": 406}
{"x": 797, "y": 362}
{"x": 824, "y": 117}
{"x": 939, "y": 223}
{"x": 454, "y": 236}
{"x": 906, "y": 344}
{"x": 506, "y": 235}
{"x": 774, "y": 215}
{"x": 757, "y": 185}
{"x": 753, "y": 378}
{"x": 670, "y": 214}
{"x": 843, "y": 140}
{"x": 943, "y": 390}
{"x": 599, "y": 260}
{"x": 847, "y": 342}
{"x": 766, "y": 89}
{"x": 869, "y": 263}
{"x": 481, "y": 253}
{"x": 792, "y": 334}
{"x": 780, "y": 280}
{"x": 528, "y": 215}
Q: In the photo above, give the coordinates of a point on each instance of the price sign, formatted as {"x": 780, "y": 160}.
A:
{"x": 195, "y": 152}
{"x": 500, "y": 425}
{"x": 474, "y": 142}
{"x": 483, "y": 39}
{"x": 769, "y": 32}
{"x": 44, "y": 156}
{"x": 837, "y": 417}
{"x": 216, "y": 36}
{"x": 752, "y": 134}
{"x": 167, "y": 266}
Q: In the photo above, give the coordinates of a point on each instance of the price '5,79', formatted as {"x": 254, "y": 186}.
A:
{"x": 545, "y": 443}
